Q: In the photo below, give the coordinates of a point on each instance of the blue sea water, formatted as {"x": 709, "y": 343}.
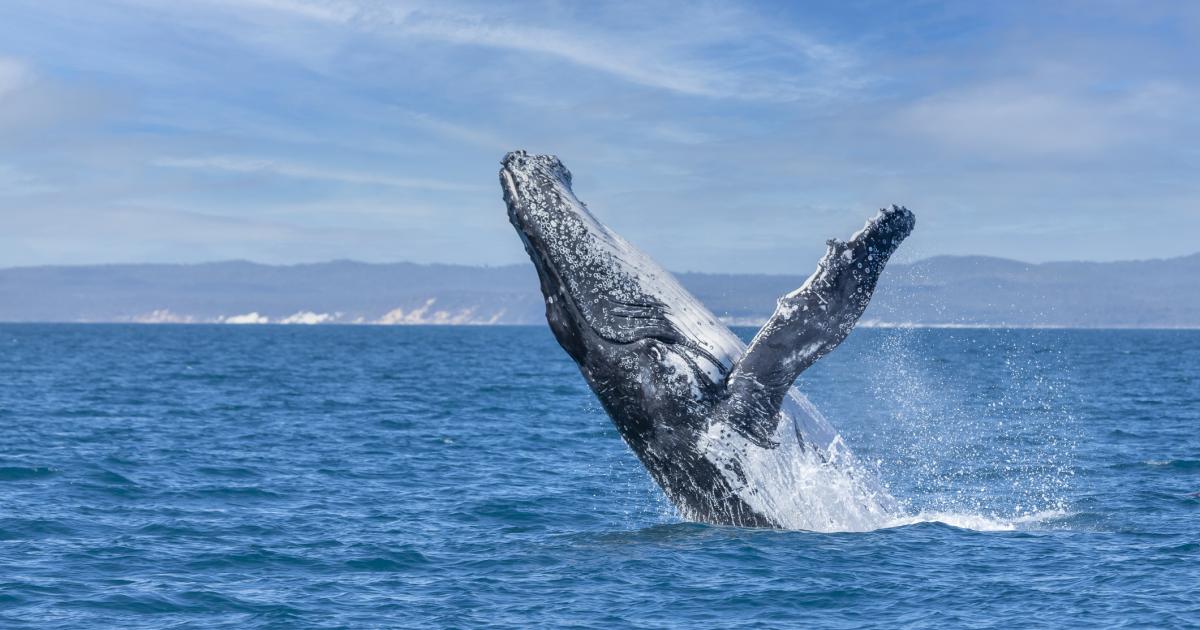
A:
{"x": 247, "y": 477}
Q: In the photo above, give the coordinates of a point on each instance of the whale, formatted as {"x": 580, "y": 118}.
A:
{"x": 718, "y": 423}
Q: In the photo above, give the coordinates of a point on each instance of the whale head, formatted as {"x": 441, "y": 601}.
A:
{"x": 611, "y": 307}
{"x": 555, "y": 232}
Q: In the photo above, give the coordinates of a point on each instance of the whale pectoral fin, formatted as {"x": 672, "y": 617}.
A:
{"x": 811, "y": 321}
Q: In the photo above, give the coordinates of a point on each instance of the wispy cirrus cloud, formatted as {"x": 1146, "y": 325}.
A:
{"x": 762, "y": 60}
{"x": 734, "y": 123}
{"x": 14, "y": 182}
{"x": 637, "y": 64}
{"x": 249, "y": 165}
{"x": 324, "y": 11}
{"x": 762, "y": 64}
{"x": 470, "y": 134}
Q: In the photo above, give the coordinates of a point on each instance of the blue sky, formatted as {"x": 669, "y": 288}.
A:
{"x": 716, "y": 136}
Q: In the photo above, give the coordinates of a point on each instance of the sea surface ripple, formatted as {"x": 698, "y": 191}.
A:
{"x": 284, "y": 476}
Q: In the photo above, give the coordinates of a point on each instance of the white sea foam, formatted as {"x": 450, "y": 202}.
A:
{"x": 979, "y": 522}
{"x": 815, "y": 484}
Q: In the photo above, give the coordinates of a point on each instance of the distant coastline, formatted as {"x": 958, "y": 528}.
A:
{"x": 866, "y": 325}
{"x": 940, "y": 292}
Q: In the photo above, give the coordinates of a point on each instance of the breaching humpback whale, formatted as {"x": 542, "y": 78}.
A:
{"x": 718, "y": 425}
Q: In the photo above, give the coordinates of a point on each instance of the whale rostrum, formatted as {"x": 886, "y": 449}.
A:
{"x": 719, "y": 425}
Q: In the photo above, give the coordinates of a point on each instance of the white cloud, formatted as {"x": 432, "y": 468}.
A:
{"x": 453, "y": 130}
{"x": 632, "y": 63}
{"x": 235, "y": 164}
{"x": 679, "y": 134}
{"x": 1037, "y": 119}
{"x": 324, "y": 11}
{"x": 665, "y": 55}
{"x": 1009, "y": 120}
{"x": 13, "y": 75}
{"x": 14, "y": 183}
{"x": 770, "y": 62}
{"x": 32, "y": 102}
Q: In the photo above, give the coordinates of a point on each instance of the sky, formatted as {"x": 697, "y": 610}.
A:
{"x": 716, "y": 136}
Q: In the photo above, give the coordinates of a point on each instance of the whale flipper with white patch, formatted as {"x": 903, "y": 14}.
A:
{"x": 810, "y": 322}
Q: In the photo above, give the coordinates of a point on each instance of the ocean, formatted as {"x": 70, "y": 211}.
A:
{"x": 461, "y": 477}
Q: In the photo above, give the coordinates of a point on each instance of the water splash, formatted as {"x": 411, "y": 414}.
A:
{"x": 1000, "y": 452}
{"x": 980, "y": 522}
{"x": 981, "y": 440}
{"x": 799, "y": 487}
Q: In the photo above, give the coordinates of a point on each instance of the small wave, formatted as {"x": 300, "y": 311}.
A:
{"x": 22, "y": 473}
{"x": 112, "y": 478}
{"x": 237, "y": 472}
{"x": 392, "y": 561}
{"x": 979, "y": 522}
{"x": 238, "y": 492}
{"x": 1185, "y": 464}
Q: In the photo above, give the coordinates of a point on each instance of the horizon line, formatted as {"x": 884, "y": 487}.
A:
{"x": 373, "y": 324}
{"x": 524, "y": 264}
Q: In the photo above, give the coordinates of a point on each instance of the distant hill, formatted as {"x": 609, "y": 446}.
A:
{"x": 941, "y": 291}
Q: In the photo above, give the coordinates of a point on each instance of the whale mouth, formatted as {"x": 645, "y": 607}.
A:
{"x": 516, "y": 197}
